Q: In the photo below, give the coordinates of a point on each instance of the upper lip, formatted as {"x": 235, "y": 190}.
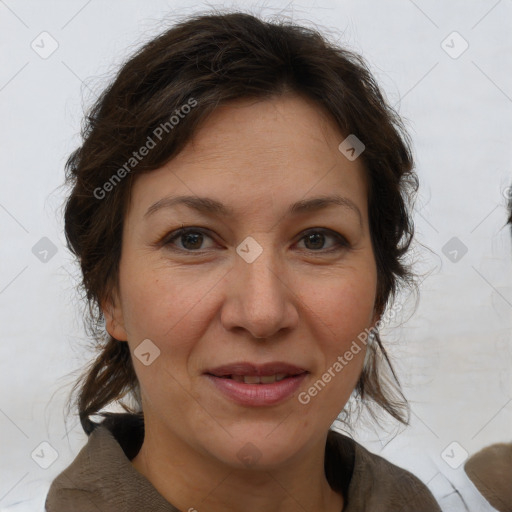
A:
{"x": 243, "y": 368}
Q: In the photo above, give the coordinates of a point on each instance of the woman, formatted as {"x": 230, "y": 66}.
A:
{"x": 240, "y": 213}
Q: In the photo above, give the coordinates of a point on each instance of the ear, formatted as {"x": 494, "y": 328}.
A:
{"x": 114, "y": 321}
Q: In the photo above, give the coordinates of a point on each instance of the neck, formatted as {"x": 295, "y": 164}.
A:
{"x": 192, "y": 481}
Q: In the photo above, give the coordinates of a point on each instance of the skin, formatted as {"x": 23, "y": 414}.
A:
{"x": 205, "y": 306}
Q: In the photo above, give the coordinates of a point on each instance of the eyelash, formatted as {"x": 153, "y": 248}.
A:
{"x": 341, "y": 241}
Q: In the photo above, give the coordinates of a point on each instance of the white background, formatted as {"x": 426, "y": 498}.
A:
{"x": 453, "y": 352}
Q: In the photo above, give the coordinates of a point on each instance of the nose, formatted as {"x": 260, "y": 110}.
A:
{"x": 259, "y": 298}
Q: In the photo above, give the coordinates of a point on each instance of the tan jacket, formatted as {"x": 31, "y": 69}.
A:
{"x": 102, "y": 478}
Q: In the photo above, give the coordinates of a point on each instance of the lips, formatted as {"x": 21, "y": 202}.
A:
{"x": 251, "y": 371}
{"x": 257, "y": 385}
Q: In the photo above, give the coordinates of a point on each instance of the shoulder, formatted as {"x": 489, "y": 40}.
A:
{"x": 74, "y": 486}
{"x": 93, "y": 476}
{"x": 379, "y": 485}
{"x": 102, "y": 476}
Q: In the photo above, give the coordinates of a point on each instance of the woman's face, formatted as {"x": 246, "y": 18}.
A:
{"x": 263, "y": 277}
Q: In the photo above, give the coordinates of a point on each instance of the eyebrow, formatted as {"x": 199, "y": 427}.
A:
{"x": 208, "y": 205}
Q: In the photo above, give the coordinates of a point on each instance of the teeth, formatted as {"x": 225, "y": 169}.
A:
{"x": 251, "y": 379}
{"x": 255, "y": 379}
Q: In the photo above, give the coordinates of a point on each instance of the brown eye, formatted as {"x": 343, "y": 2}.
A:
{"x": 315, "y": 240}
{"x": 192, "y": 240}
{"x": 187, "y": 240}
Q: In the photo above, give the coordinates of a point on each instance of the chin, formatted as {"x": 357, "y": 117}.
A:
{"x": 256, "y": 449}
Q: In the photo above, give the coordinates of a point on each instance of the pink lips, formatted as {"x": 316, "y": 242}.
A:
{"x": 263, "y": 394}
{"x": 253, "y": 369}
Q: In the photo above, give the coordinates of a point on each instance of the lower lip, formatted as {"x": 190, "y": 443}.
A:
{"x": 258, "y": 394}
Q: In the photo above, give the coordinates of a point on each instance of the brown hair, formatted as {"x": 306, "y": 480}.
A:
{"x": 212, "y": 59}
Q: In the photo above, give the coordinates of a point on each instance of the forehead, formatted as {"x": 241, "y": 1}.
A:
{"x": 250, "y": 152}
{"x": 265, "y": 134}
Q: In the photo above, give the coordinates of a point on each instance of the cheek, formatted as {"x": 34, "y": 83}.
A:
{"x": 341, "y": 309}
{"x": 163, "y": 305}
{"x": 355, "y": 311}
{"x": 344, "y": 306}
{"x": 168, "y": 311}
